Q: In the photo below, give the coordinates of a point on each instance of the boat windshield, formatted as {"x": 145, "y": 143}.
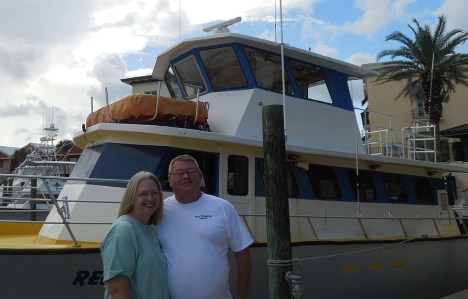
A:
{"x": 266, "y": 68}
{"x": 223, "y": 68}
{"x": 310, "y": 80}
{"x": 190, "y": 77}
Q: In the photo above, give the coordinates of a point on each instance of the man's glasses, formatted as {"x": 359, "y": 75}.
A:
{"x": 189, "y": 172}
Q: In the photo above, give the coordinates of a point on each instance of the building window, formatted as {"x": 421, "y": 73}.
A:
{"x": 418, "y": 97}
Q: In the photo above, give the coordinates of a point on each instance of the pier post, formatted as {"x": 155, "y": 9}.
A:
{"x": 277, "y": 203}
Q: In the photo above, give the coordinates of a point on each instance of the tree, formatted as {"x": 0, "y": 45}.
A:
{"x": 20, "y": 153}
{"x": 64, "y": 146}
{"x": 430, "y": 61}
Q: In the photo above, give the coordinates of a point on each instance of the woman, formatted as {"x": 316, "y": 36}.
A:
{"x": 134, "y": 266}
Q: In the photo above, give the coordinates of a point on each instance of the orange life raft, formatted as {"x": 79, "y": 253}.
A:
{"x": 140, "y": 108}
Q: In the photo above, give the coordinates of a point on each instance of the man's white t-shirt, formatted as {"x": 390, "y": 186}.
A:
{"x": 196, "y": 239}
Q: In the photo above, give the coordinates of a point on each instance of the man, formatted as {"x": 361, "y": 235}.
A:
{"x": 196, "y": 234}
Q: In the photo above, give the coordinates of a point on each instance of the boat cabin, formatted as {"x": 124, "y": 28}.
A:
{"x": 236, "y": 75}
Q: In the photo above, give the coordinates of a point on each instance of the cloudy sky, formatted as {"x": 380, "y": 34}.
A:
{"x": 57, "y": 54}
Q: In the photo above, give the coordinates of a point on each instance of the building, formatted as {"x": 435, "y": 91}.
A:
{"x": 7, "y": 160}
{"x": 144, "y": 84}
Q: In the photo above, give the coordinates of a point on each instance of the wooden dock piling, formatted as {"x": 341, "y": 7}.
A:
{"x": 277, "y": 204}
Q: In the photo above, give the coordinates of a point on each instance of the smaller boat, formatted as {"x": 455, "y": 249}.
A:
{"x": 27, "y": 193}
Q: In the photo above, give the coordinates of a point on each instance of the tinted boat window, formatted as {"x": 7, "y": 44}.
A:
{"x": 101, "y": 161}
{"x": 293, "y": 191}
{"x": 223, "y": 68}
{"x": 366, "y": 187}
{"x": 190, "y": 77}
{"x": 310, "y": 80}
{"x": 422, "y": 187}
{"x": 208, "y": 163}
{"x": 238, "y": 175}
{"x": 394, "y": 187}
{"x": 324, "y": 182}
{"x": 266, "y": 68}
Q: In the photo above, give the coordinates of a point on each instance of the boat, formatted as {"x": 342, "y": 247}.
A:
{"x": 23, "y": 193}
{"x": 400, "y": 233}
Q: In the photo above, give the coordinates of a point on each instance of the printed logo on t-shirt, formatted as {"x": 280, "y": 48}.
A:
{"x": 203, "y": 216}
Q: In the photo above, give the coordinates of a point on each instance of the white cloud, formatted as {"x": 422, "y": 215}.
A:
{"x": 455, "y": 13}
{"x": 377, "y": 15}
{"x": 326, "y": 50}
{"x": 361, "y": 58}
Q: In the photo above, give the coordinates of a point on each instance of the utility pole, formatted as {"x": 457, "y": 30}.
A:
{"x": 277, "y": 203}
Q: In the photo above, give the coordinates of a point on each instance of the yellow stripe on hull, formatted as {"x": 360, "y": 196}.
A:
{"x": 17, "y": 228}
{"x": 19, "y": 236}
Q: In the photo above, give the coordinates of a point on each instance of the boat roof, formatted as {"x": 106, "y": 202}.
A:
{"x": 162, "y": 61}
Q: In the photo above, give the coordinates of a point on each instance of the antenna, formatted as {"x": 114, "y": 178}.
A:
{"x": 222, "y": 27}
{"x": 180, "y": 17}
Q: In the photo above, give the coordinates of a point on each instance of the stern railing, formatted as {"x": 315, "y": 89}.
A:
{"x": 394, "y": 136}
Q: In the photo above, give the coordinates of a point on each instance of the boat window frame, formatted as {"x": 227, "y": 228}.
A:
{"x": 237, "y": 180}
{"x": 293, "y": 189}
{"x": 275, "y": 85}
{"x": 394, "y": 188}
{"x": 366, "y": 185}
{"x": 324, "y": 175}
{"x": 423, "y": 190}
{"x": 172, "y": 83}
{"x": 218, "y": 77}
{"x": 199, "y": 82}
{"x": 207, "y": 161}
{"x": 310, "y": 84}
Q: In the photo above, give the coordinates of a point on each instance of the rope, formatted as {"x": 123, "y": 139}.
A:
{"x": 284, "y": 263}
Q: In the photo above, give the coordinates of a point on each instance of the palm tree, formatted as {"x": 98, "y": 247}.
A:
{"x": 430, "y": 61}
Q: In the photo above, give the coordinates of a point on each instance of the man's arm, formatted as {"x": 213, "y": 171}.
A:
{"x": 244, "y": 272}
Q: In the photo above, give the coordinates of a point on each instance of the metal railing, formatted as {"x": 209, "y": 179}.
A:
{"x": 394, "y": 136}
{"x": 61, "y": 210}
